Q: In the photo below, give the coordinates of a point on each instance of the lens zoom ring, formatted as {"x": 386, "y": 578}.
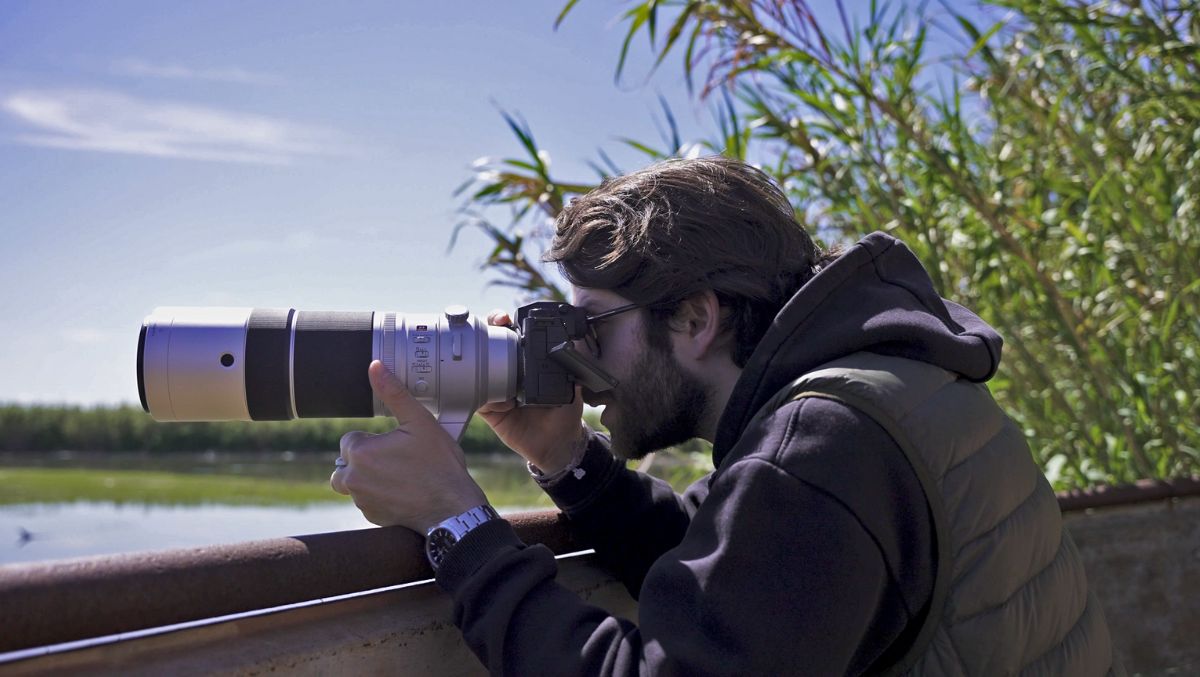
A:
{"x": 268, "y": 397}
{"x": 333, "y": 350}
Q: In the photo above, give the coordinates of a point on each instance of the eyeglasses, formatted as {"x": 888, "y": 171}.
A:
{"x": 593, "y": 343}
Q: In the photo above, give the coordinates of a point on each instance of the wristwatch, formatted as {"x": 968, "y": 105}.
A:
{"x": 439, "y": 539}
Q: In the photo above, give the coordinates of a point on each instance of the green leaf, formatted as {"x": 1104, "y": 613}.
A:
{"x": 674, "y": 140}
{"x": 979, "y": 44}
{"x": 675, "y": 31}
{"x": 487, "y": 191}
{"x": 651, "y": 21}
{"x": 521, "y": 130}
{"x": 563, "y": 14}
{"x": 639, "y": 146}
{"x": 688, "y": 57}
{"x": 638, "y": 16}
{"x": 521, "y": 165}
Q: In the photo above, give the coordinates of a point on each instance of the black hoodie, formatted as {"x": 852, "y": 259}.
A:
{"x": 808, "y": 551}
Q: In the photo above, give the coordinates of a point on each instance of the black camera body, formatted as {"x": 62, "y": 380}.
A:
{"x": 549, "y": 363}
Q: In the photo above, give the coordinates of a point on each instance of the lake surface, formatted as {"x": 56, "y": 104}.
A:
{"x": 60, "y": 505}
{"x": 34, "y": 532}
{"x": 65, "y": 504}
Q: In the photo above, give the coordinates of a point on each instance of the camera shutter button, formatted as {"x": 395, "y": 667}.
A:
{"x": 420, "y": 387}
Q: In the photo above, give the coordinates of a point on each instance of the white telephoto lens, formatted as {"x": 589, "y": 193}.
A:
{"x": 255, "y": 364}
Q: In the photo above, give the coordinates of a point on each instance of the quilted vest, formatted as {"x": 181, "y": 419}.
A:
{"x": 1010, "y": 594}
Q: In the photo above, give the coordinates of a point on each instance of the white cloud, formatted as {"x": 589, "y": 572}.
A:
{"x": 106, "y": 121}
{"x": 171, "y": 71}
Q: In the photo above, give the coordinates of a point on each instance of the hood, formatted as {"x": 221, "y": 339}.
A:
{"x": 876, "y": 297}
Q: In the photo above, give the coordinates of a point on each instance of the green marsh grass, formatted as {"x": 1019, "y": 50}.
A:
{"x": 68, "y": 485}
{"x": 504, "y": 480}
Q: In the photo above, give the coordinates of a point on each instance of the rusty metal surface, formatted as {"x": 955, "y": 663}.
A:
{"x": 405, "y": 631}
{"x": 62, "y": 601}
{"x": 66, "y": 600}
{"x": 1128, "y": 494}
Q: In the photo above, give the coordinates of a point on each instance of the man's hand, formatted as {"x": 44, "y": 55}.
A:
{"x": 544, "y": 436}
{"x": 414, "y": 476}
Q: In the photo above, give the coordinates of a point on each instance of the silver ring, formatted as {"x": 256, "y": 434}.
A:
{"x": 340, "y": 463}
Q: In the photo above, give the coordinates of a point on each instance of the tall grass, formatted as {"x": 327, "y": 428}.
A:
{"x": 1043, "y": 167}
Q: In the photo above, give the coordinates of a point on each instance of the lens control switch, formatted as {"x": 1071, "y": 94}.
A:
{"x": 457, "y": 315}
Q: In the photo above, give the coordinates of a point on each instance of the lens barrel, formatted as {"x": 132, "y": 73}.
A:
{"x": 262, "y": 364}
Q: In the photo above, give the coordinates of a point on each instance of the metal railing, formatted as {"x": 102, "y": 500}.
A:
{"x": 51, "y": 603}
{"x": 62, "y": 601}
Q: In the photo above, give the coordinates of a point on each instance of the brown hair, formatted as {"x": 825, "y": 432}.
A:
{"x": 679, "y": 227}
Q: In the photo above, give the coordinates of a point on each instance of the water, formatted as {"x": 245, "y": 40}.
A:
{"x": 62, "y": 505}
{"x": 46, "y": 531}
{"x": 68, "y": 504}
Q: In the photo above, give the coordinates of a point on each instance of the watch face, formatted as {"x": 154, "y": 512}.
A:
{"x": 438, "y": 544}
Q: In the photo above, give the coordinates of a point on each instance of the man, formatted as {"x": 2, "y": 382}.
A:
{"x": 871, "y": 510}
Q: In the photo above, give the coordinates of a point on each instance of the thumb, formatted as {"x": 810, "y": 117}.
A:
{"x": 391, "y": 391}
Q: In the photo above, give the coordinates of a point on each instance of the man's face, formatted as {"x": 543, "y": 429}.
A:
{"x": 657, "y": 404}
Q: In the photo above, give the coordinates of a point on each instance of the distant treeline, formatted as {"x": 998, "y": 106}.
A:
{"x": 128, "y": 428}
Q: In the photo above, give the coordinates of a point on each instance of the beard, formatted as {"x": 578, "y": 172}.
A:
{"x": 658, "y": 406}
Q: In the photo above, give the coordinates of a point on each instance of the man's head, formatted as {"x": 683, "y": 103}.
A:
{"x": 680, "y": 227}
{"x": 693, "y": 241}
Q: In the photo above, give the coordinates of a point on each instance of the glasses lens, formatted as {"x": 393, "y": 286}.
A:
{"x": 593, "y": 343}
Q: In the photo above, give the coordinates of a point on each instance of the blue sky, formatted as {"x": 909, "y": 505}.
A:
{"x": 298, "y": 154}
{"x": 273, "y": 154}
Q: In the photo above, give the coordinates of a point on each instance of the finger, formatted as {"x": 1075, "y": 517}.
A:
{"x": 337, "y": 482}
{"x": 403, "y": 406}
{"x": 351, "y": 442}
{"x": 498, "y": 407}
{"x": 499, "y": 318}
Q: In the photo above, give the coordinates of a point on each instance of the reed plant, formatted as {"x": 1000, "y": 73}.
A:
{"x": 1042, "y": 163}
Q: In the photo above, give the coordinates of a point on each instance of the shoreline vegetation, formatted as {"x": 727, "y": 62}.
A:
{"x": 142, "y": 488}
{"x": 128, "y": 428}
{"x": 136, "y": 487}
{"x": 119, "y": 454}
{"x": 246, "y": 479}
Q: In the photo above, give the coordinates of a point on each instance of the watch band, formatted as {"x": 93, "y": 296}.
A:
{"x": 459, "y": 525}
{"x": 440, "y": 538}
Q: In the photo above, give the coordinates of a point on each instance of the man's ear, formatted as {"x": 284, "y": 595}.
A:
{"x": 696, "y": 326}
